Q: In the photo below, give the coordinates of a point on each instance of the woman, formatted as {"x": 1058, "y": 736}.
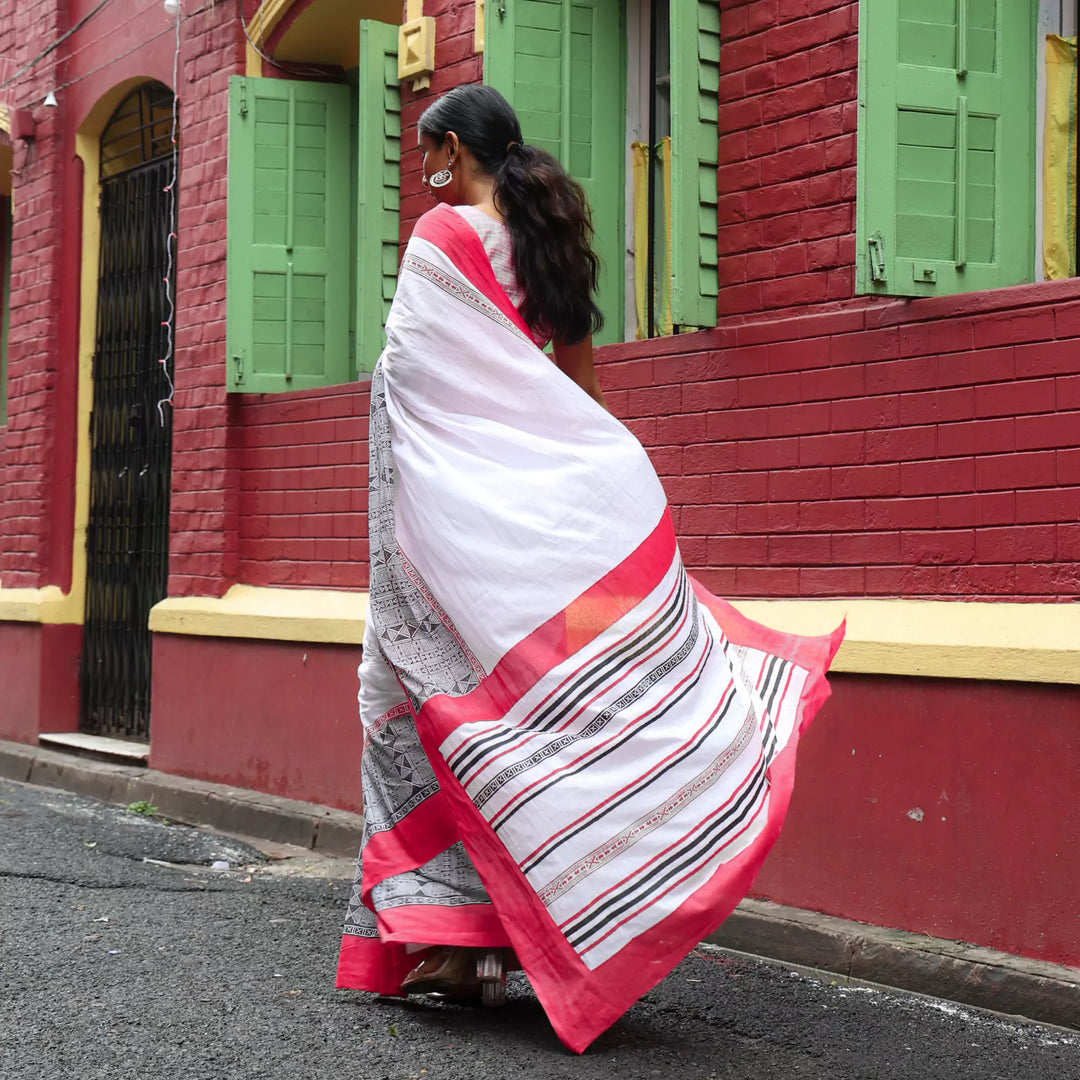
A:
{"x": 573, "y": 754}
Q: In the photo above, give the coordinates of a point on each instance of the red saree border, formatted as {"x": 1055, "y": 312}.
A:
{"x": 471, "y": 924}
{"x": 369, "y": 964}
{"x": 807, "y": 652}
{"x": 580, "y": 1003}
{"x": 414, "y": 840}
{"x": 553, "y": 642}
{"x": 459, "y": 241}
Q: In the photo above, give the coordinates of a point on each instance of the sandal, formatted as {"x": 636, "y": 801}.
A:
{"x": 445, "y": 968}
{"x": 457, "y": 973}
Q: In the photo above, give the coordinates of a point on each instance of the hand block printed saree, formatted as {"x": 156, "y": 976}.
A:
{"x": 570, "y": 748}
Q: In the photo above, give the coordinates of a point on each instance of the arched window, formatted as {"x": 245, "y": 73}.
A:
{"x": 139, "y": 132}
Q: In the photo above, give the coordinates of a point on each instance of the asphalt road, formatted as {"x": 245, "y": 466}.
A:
{"x": 117, "y": 968}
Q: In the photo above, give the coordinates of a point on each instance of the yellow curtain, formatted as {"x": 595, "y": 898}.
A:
{"x": 662, "y": 268}
{"x": 1059, "y": 159}
{"x": 640, "y": 160}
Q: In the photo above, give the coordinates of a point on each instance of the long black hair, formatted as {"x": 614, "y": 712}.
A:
{"x": 545, "y": 210}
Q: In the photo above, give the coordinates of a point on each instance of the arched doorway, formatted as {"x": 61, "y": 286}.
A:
{"x": 127, "y": 537}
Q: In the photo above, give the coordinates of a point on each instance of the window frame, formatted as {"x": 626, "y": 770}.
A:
{"x": 880, "y": 100}
{"x": 357, "y": 299}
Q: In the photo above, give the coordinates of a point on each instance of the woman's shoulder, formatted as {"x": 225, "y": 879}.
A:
{"x": 438, "y": 223}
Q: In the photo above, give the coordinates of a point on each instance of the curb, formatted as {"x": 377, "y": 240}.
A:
{"x": 856, "y": 952}
{"x": 192, "y": 802}
{"x": 853, "y": 951}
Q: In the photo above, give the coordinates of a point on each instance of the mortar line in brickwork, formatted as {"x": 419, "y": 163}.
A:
{"x": 101, "y": 67}
{"x": 107, "y": 35}
{"x": 56, "y": 44}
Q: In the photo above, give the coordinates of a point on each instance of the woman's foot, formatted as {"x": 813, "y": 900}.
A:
{"x": 458, "y": 973}
{"x": 445, "y": 969}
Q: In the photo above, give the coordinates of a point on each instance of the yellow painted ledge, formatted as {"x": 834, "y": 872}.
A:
{"x": 948, "y": 639}
{"x": 46, "y": 605}
{"x": 248, "y": 611}
{"x": 936, "y": 638}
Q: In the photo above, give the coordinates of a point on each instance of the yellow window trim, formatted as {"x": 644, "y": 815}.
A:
{"x": 259, "y": 27}
{"x": 319, "y": 39}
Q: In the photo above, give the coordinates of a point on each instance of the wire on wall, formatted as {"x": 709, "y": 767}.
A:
{"x": 172, "y": 240}
{"x": 101, "y": 67}
{"x": 139, "y": 45}
{"x": 55, "y": 45}
{"x": 289, "y": 69}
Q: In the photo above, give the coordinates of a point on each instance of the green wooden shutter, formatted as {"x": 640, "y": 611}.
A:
{"x": 946, "y": 146}
{"x": 560, "y": 65}
{"x": 379, "y": 185}
{"x": 695, "y": 82}
{"x": 289, "y": 243}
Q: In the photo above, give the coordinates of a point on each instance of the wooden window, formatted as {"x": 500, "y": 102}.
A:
{"x": 562, "y": 65}
{"x": 378, "y": 188}
{"x": 946, "y": 146}
{"x": 695, "y": 82}
{"x": 309, "y": 281}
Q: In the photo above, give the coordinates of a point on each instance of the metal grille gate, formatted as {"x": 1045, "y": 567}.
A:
{"x": 131, "y": 441}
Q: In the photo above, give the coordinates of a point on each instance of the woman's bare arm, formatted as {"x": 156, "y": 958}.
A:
{"x": 576, "y": 361}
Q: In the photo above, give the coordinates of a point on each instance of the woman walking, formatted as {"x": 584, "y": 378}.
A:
{"x": 573, "y": 754}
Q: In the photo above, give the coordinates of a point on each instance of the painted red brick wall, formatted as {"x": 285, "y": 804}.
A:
{"x": 27, "y": 486}
{"x": 814, "y": 444}
{"x": 913, "y": 448}
{"x": 786, "y": 182}
{"x": 912, "y": 819}
{"x": 300, "y": 460}
{"x": 302, "y": 500}
{"x": 456, "y": 65}
{"x": 205, "y": 506}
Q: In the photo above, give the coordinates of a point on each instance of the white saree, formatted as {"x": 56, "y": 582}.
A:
{"x": 571, "y": 749}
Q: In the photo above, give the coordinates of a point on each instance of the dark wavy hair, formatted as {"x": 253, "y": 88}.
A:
{"x": 545, "y": 210}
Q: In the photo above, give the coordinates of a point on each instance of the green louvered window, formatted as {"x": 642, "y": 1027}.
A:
{"x": 695, "y": 82}
{"x": 378, "y": 187}
{"x": 288, "y": 252}
{"x": 946, "y": 146}
{"x": 560, "y": 64}
{"x": 312, "y": 223}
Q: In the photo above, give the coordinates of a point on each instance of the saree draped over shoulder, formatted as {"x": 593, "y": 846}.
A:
{"x": 570, "y": 747}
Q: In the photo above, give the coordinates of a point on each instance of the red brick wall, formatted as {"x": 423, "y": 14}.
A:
{"x": 913, "y": 448}
{"x": 204, "y": 547}
{"x": 301, "y": 459}
{"x": 456, "y": 65}
{"x": 302, "y": 471}
{"x": 27, "y": 485}
{"x": 811, "y": 445}
{"x": 788, "y": 112}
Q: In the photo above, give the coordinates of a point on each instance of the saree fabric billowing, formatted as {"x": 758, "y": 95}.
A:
{"x": 571, "y": 748}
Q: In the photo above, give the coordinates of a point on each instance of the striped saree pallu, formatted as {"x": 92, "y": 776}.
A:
{"x": 571, "y": 748}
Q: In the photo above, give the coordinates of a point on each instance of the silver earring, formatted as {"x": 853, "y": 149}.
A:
{"x": 441, "y": 178}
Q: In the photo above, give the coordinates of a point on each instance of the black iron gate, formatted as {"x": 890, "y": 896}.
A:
{"x": 131, "y": 424}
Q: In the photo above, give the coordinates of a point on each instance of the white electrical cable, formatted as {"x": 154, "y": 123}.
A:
{"x": 171, "y": 238}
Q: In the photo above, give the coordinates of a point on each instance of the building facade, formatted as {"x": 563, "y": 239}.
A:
{"x": 837, "y": 249}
